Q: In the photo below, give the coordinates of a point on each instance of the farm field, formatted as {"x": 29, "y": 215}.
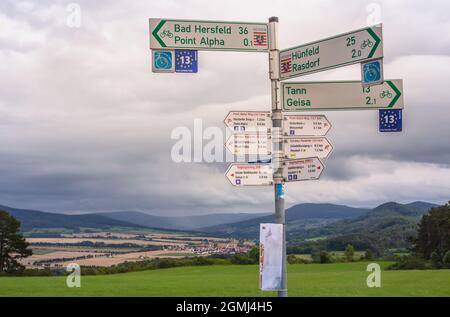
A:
{"x": 337, "y": 279}
{"x": 97, "y": 249}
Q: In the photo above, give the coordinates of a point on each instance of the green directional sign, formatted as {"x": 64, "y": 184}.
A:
{"x": 208, "y": 35}
{"x": 341, "y": 95}
{"x": 345, "y": 49}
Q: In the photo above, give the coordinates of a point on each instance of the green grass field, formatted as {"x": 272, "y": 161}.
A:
{"x": 337, "y": 279}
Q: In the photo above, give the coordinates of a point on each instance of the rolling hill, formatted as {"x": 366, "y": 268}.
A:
{"x": 422, "y": 206}
{"x": 390, "y": 221}
{"x": 388, "y": 226}
{"x": 387, "y": 216}
{"x": 298, "y": 217}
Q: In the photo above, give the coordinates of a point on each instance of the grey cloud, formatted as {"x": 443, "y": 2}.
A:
{"x": 85, "y": 125}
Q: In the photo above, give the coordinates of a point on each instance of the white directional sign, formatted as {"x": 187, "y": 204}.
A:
{"x": 246, "y": 121}
{"x": 208, "y": 35}
{"x": 250, "y": 174}
{"x": 249, "y": 144}
{"x": 345, "y": 49}
{"x": 341, "y": 95}
{"x": 306, "y": 125}
{"x": 296, "y": 148}
{"x": 302, "y": 170}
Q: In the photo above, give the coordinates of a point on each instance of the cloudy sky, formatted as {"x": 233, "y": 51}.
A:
{"x": 86, "y": 126}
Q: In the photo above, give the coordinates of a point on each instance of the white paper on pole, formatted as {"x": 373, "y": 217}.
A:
{"x": 270, "y": 256}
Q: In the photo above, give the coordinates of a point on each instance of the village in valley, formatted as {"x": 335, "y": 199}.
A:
{"x": 102, "y": 249}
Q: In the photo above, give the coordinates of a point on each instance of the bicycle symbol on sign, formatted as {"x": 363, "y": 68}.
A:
{"x": 166, "y": 33}
{"x": 366, "y": 43}
{"x": 386, "y": 94}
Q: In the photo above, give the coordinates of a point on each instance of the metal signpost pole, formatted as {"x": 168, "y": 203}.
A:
{"x": 278, "y": 154}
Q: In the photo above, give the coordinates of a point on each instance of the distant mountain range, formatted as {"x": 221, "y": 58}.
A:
{"x": 389, "y": 225}
{"x": 180, "y": 223}
{"x": 34, "y": 219}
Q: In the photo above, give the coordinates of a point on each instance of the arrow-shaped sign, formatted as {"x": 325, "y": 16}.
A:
{"x": 250, "y": 174}
{"x": 249, "y": 144}
{"x": 297, "y": 148}
{"x": 208, "y": 35}
{"x": 306, "y": 125}
{"x": 303, "y": 169}
{"x": 248, "y": 121}
{"x": 340, "y": 95}
{"x": 341, "y": 50}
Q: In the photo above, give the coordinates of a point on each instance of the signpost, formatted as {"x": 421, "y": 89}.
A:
{"x": 306, "y": 125}
{"x": 295, "y": 143}
{"x": 345, "y": 49}
{"x": 341, "y": 95}
{"x": 303, "y": 169}
{"x": 249, "y": 144}
{"x": 250, "y": 174}
{"x": 297, "y": 148}
{"x": 208, "y": 35}
{"x": 245, "y": 121}
{"x": 278, "y": 152}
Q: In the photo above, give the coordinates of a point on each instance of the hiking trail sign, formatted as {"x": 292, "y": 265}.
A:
{"x": 306, "y": 125}
{"x": 208, "y": 35}
{"x": 249, "y": 144}
{"x": 340, "y": 50}
{"x": 297, "y": 148}
{"x": 250, "y": 174}
{"x": 303, "y": 169}
{"x": 245, "y": 121}
{"x": 341, "y": 95}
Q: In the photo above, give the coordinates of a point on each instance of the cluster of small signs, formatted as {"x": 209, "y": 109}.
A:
{"x": 179, "y": 61}
{"x": 251, "y": 132}
{"x": 174, "y": 45}
{"x": 305, "y": 144}
{"x": 304, "y": 140}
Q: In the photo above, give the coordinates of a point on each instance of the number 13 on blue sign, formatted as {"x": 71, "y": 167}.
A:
{"x": 390, "y": 120}
{"x": 186, "y": 61}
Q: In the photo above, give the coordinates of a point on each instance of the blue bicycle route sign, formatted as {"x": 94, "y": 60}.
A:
{"x": 372, "y": 72}
{"x": 163, "y": 61}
